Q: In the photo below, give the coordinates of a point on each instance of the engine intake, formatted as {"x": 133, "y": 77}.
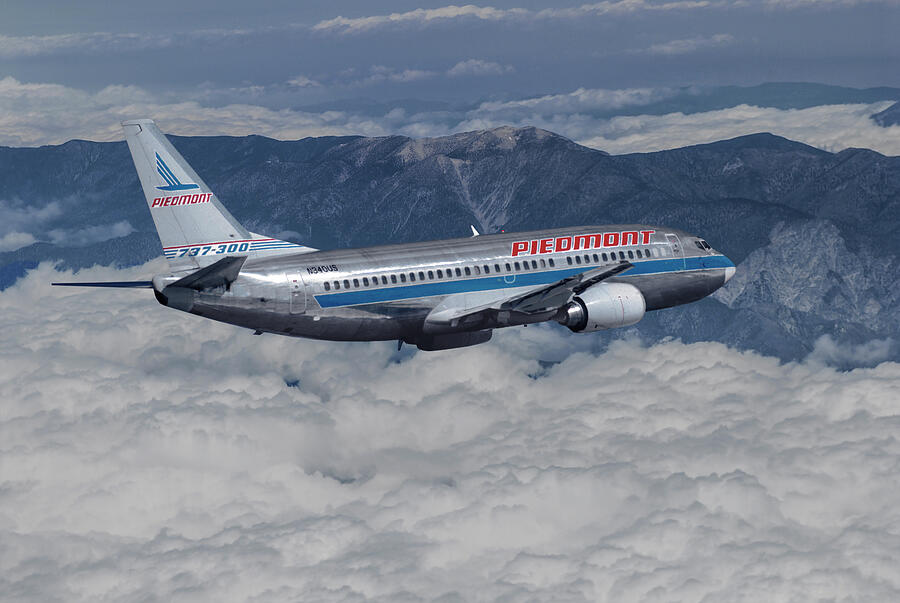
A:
{"x": 604, "y": 306}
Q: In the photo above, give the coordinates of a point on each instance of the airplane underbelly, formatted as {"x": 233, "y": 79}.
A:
{"x": 676, "y": 288}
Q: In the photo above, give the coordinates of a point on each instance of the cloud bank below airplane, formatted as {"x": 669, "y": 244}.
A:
{"x": 176, "y": 453}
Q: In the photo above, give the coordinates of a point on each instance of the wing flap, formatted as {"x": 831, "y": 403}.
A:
{"x": 485, "y": 306}
{"x": 560, "y": 293}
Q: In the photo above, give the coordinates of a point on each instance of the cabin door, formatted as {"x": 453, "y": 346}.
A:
{"x": 298, "y": 293}
{"x": 675, "y": 246}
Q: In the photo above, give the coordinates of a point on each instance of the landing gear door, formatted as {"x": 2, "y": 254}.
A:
{"x": 675, "y": 245}
{"x": 298, "y": 293}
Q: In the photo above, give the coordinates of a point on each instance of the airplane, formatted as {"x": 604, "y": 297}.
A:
{"x": 436, "y": 295}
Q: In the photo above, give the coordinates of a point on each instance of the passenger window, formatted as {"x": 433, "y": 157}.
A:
{"x": 327, "y": 286}
{"x": 578, "y": 259}
{"x": 421, "y": 276}
{"x": 412, "y": 277}
{"x": 365, "y": 282}
{"x": 458, "y": 273}
{"x": 639, "y": 254}
{"x": 346, "y": 284}
{"x": 587, "y": 259}
{"x": 468, "y": 272}
{"x": 394, "y": 279}
{"x": 552, "y": 264}
{"x": 647, "y": 252}
{"x": 508, "y": 267}
{"x": 356, "y": 282}
{"x": 487, "y": 269}
{"x": 516, "y": 264}
{"x": 630, "y": 254}
{"x": 477, "y": 270}
{"x": 384, "y": 280}
{"x": 543, "y": 263}
{"x": 337, "y": 285}
{"x": 596, "y": 259}
{"x": 497, "y": 268}
{"x": 605, "y": 257}
{"x": 431, "y": 275}
{"x": 402, "y": 278}
{"x": 569, "y": 260}
{"x": 621, "y": 255}
{"x": 534, "y": 264}
{"x": 440, "y": 273}
{"x": 525, "y": 265}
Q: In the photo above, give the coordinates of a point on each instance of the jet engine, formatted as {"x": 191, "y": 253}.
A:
{"x": 604, "y": 306}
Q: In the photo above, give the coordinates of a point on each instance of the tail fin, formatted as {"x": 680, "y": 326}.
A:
{"x": 194, "y": 227}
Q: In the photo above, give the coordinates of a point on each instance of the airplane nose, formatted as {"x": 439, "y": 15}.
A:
{"x": 729, "y": 271}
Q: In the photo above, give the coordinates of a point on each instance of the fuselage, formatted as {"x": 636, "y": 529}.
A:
{"x": 387, "y": 292}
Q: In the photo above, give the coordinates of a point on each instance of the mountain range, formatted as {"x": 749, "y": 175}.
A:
{"x": 813, "y": 232}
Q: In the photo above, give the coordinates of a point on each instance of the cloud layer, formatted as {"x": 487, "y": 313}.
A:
{"x": 32, "y": 114}
{"x": 423, "y": 17}
{"x": 151, "y": 454}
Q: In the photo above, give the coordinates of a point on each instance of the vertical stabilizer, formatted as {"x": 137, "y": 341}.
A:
{"x": 194, "y": 227}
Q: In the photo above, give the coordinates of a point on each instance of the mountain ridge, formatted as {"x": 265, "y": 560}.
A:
{"x": 747, "y": 195}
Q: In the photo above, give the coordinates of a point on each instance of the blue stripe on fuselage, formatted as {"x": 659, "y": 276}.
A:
{"x": 507, "y": 281}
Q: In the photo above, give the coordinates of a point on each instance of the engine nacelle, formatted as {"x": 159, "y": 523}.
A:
{"x": 604, "y": 306}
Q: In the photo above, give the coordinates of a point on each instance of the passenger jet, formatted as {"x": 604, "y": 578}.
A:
{"x": 435, "y": 295}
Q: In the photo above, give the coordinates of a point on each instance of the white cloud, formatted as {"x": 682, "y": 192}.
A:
{"x": 148, "y": 454}
{"x": 689, "y": 45}
{"x": 830, "y": 352}
{"x": 478, "y": 67}
{"x": 830, "y": 127}
{"x": 301, "y": 81}
{"x": 582, "y": 100}
{"x": 382, "y": 73}
{"x": 419, "y": 16}
{"x": 90, "y": 234}
{"x": 13, "y": 47}
{"x": 15, "y": 240}
{"x": 24, "y": 46}
{"x": 422, "y": 17}
{"x": 17, "y": 215}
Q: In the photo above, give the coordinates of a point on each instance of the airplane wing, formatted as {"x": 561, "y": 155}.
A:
{"x": 481, "y": 307}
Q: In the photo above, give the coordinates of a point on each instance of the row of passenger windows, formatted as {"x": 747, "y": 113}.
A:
{"x": 515, "y": 266}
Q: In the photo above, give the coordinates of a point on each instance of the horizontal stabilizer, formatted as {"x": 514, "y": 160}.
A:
{"x": 112, "y": 284}
{"x": 219, "y": 274}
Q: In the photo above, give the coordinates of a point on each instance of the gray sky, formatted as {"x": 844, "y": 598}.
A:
{"x": 288, "y": 70}
{"x": 409, "y": 49}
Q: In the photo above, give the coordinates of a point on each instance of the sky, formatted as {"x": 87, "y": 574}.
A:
{"x": 288, "y": 70}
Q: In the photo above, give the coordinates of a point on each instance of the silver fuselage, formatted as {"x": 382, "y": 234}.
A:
{"x": 386, "y": 292}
